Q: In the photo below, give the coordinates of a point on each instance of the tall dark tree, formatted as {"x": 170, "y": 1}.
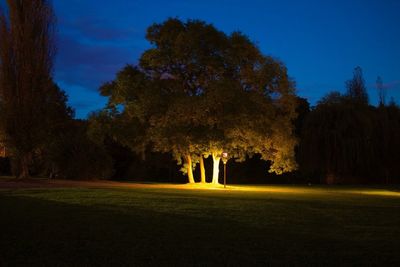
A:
{"x": 381, "y": 91}
{"x": 356, "y": 89}
{"x": 26, "y": 61}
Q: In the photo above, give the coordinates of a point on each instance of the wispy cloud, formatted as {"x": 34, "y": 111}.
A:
{"x": 90, "y": 64}
{"x": 98, "y": 37}
{"x": 392, "y": 85}
{"x": 92, "y": 48}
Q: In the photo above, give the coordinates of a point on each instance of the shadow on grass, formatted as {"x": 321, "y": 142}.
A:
{"x": 50, "y": 233}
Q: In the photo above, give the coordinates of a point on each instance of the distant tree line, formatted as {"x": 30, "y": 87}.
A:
{"x": 345, "y": 140}
{"x": 195, "y": 94}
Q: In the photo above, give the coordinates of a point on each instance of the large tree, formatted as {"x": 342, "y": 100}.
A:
{"x": 198, "y": 92}
{"x": 26, "y": 86}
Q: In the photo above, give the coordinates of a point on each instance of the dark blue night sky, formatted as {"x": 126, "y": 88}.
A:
{"x": 319, "y": 41}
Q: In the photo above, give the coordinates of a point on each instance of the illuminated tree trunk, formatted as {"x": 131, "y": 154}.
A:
{"x": 189, "y": 169}
{"x": 202, "y": 170}
{"x": 216, "y": 160}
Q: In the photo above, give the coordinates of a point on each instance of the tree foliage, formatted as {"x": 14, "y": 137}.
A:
{"x": 343, "y": 140}
{"x": 336, "y": 138}
{"x": 30, "y": 103}
{"x": 356, "y": 89}
{"x": 198, "y": 92}
{"x": 74, "y": 155}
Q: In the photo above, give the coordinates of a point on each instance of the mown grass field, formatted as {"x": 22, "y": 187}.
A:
{"x": 158, "y": 226}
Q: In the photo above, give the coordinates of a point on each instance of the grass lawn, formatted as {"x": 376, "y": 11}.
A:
{"x": 170, "y": 226}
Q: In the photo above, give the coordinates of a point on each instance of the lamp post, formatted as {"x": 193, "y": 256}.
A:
{"x": 224, "y": 160}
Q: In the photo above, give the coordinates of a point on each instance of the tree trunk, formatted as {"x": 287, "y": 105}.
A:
{"x": 202, "y": 170}
{"x": 216, "y": 160}
{"x": 189, "y": 169}
{"x": 23, "y": 166}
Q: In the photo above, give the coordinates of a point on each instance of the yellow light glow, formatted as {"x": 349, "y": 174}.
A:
{"x": 377, "y": 192}
{"x": 285, "y": 189}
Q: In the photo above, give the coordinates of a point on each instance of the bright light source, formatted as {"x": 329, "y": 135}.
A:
{"x": 224, "y": 157}
{"x": 224, "y": 160}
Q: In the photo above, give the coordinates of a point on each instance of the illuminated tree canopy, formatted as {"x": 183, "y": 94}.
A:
{"x": 198, "y": 92}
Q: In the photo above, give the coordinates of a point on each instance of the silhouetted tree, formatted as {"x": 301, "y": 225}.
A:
{"x": 336, "y": 140}
{"x": 333, "y": 98}
{"x": 58, "y": 120}
{"x": 302, "y": 110}
{"x": 356, "y": 89}
{"x": 73, "y": 155}
{"x": 26, "y": 86}
{"x": 381, "y": 91}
